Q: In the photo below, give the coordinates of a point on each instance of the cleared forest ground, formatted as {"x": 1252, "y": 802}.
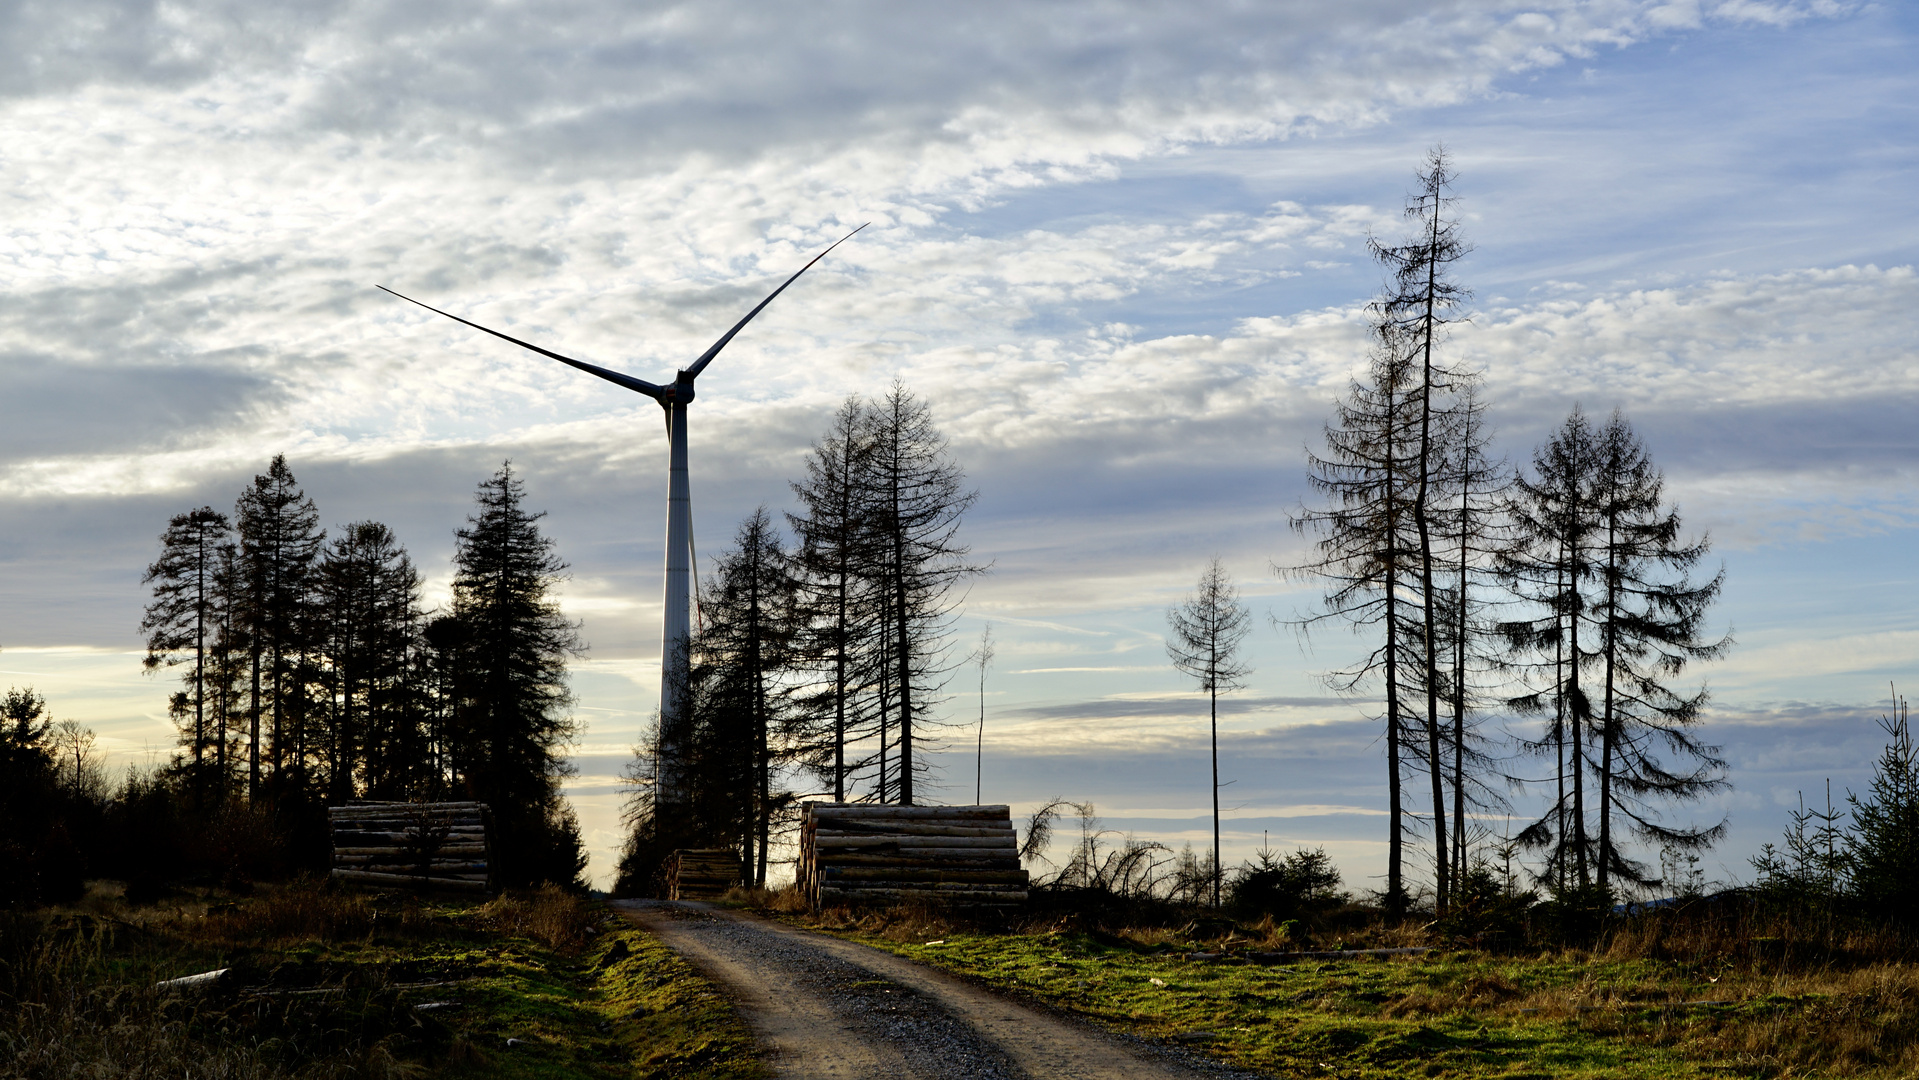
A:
{"x": 324, "y": 984}
{"x": 1451, "y": 1012}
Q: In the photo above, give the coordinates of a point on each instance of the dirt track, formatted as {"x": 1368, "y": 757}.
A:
{"x": 828, "y": 1009}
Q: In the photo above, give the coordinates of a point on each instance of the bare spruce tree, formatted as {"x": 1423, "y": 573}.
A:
{"x": 1420, "y": 300}
{"x": 915, "y": 496}
{"x": 1476, "y": 528}
{"x": 1208, "y": 629}
{"x": 1364, "y": 550}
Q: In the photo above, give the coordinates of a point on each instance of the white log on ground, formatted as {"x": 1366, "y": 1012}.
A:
{"x": 393, "y": 866}
{"x": 400, "y": 813}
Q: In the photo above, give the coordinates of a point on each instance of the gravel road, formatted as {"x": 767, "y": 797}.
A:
{"x": 828, "y": 1009}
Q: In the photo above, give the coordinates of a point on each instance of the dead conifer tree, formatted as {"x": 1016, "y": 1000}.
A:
{"x": 1208, "y": 629}
{"x": 1420, "y": 300}
{"x": 1363, "y": 549}
{"x": 915, "y": 496}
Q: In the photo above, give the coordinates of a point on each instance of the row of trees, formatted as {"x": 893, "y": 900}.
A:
{"x": 1562, "y": 592}
{"x": 821, "y": 657}
{"x": 311, "y": 671}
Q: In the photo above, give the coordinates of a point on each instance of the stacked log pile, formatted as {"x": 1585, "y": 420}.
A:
{"x": 858, "y": 853}
{"x": 701, "y": 873}
{"x": 412, "y": 845}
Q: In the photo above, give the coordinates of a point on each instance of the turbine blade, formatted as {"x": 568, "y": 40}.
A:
{"x": 707, "y": 357}
{"x": 628, "y": 381}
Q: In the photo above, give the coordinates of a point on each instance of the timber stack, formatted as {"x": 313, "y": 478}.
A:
{"x": 861, "y": 853}
{"x": 701, "y": 873}
{"x": 412, "y": 845}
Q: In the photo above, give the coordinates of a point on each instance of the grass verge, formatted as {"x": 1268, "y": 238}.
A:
{"x": 1563, "y": 1013}
{"x": 324, "y": 984}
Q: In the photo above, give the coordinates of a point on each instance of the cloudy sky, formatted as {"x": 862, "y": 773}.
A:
{"x": 1120, "y": 248}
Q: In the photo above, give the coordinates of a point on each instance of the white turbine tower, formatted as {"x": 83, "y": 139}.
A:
{"x": 678, "y": 627}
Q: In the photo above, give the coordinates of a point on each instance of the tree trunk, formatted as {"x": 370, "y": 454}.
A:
{"x": 253, "y": 732}
{"x": 904, "y": 658}
{"x": 840, "y": 643}
{"x": 1435, "y": 760}
{"x": 1576, "y": 699}
{"x": 1559, "y": 732}
{"x": 1395, "y": 841}
{"x": 1215, "y": 701}
{"x": 1459, "y": 671}
{"x": 1610, "y": 636}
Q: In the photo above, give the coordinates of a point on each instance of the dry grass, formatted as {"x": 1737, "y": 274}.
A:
{"x": 306, "y": 909}
{"x": 560, "y": 919}
{"x": 783, "y": 901}
{"x": 71, "y": 1010}
{"x": 1742, "y": 934}
{"x": 903, "y": 922}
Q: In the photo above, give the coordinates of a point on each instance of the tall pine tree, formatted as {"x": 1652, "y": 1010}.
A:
{"x": 745, "y": 650}
{"x": 1651, "y": 619}
{"x": 840, "y": 613}
{"x": 512, "y": 705}
{"x": 182, "y": 622}
{"x": 368, "y": 631}
{"x": 280, "y": 542}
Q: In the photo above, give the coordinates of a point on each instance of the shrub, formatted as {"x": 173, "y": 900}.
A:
{"x": 1300, "y": 886}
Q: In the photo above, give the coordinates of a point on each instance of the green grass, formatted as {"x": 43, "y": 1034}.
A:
{"x": 1452, "y": 1014}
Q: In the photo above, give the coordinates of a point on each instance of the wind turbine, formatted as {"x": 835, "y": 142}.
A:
{"x": 677, "y": 631}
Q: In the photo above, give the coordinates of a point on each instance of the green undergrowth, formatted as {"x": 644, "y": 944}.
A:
{"x": 1444, "y": 1014}
{"x": 322, "y": 984}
